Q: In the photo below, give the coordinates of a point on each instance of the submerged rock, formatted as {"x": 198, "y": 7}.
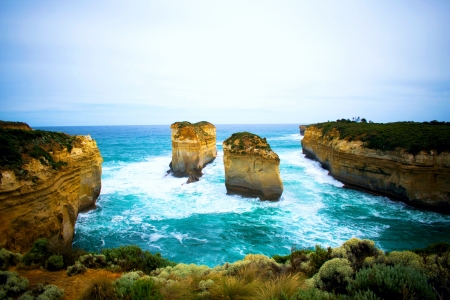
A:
{"x": 251, "y": 167}
{"x": 193, "y": 147}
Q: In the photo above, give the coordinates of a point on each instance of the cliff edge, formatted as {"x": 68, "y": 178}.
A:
{"x": 193, "y": 147}
{"x": 420, "y": 178}
{"x": 251, "y": 167}
{"x": 46, "y": 179}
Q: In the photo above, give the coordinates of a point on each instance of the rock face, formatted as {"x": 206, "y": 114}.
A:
{"x": 251, "y": 167}
{"x": 45, "y": 202}
{"x": 302, "y": 129}
{"x": 193, "y": 146}
{"x": 421, "y": 180}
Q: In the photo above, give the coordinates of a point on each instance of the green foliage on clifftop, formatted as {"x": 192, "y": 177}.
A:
{"x": 245, "y": 140}
{"x": 18, "y": 146}
{"x": 411, "y": 136}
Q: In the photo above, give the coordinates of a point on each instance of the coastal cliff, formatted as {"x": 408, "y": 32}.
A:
{"x": 421, "y": 179}
{"x": 193, "y": 146}
{"x": 251, "y": 167}
{"x": 47, "y": 178}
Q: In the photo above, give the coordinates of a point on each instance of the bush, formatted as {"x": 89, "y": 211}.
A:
{"x": 54, "y": 263}
{"x": 232, "y": 288}
{"x": 99, "y": 289}
{"x": 77, "y": 268}
{"x": 358, "y": 250}
{"x": 38, "y": 253}
{"x": 315, "y": 294}
{"x": 316, "y": 260}
{"x": 8, "y": 258}
{"x": 11, "y": 284}
{"x": 124, "y": 284}
{"x": 393, "y": 282}
{"x": 334, "y": 275}
{"x": 133, "y": 258}
{"x": 51, "y": 292}
{"x": 145, "y": 289}
{"x": 93, "y": 260}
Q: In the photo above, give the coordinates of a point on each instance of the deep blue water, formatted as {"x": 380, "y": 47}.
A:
{"x": 199, "y": 223}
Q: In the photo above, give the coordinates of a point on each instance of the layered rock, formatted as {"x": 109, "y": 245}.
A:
{"x": 193, "y": 147}
{"x": 421, "y": 180}
{"x": 251, "y": 167}
{"x": 41, "y": 198}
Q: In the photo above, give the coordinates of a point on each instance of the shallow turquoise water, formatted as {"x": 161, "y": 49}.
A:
{"x": 199, "y": 223}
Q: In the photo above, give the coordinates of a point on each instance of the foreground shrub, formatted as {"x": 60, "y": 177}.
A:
{"x": 232, "y": 288}
{"x": 11, "y": 284}
{"x": 133, "y": 258}
{"x": 38, "y": 253}
{"x": 99, "y": 289}
{"x": 145, "y": 289}
{"x": 77, "y": 268}
{"x": 393, "y": 282}
{"x": 125, "y": 283}
{"x": 51, "y": 292}
{"x": 8, "y": 258}
{"x": 54, "y": 263}
{"x": 315, "y": 294}
{"x": 282, "y": 287}
{"x": 334, "y": 276}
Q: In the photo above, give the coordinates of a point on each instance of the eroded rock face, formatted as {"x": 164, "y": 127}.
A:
{"x": 46, "y": 202}
{"x": 302, "y": 129}
{"x": 421, "y": 180}
{"x": 251, "y": 167}
{"x": 193, "y": 146}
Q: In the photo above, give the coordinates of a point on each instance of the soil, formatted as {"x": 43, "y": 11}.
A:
{"x": 73, "y": 286}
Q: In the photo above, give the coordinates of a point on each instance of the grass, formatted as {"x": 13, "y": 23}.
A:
{"x": 411, "y": 136}
{"x": 240, "y": 141}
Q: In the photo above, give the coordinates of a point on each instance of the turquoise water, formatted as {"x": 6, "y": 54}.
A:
{"x": 199, "y": 223}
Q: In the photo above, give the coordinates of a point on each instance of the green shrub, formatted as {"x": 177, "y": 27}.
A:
{"x": 54, "y": 263}
{"x": 38, "y": 253}
{"x": 334, "y": 275}
{"x": 316, "y": 259}
{"x": 93, "y": 260}
{"x": 51, "y": 292}
{"x": 77, "y": 268}
{"x": 393, "y": 282}
{"x": 133, "y": 258}
{"x": 145, "y": 289}
{"x": 435, "y": 248}
{"x": 99, "y": 289}
{"x": 358, "y": 250}
{"x": 124, "y": 284}
{"x": 315, "y": 294}
{"x": 8, "y": 258}
{"x": 11, "y": 284}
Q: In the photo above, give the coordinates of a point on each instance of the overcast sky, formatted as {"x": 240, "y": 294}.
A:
{"x": 157, "y": 62}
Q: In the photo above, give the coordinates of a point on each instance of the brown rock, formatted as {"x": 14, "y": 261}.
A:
{"x": 251, "y": 167}
{"x": 302, "y": 129}
{"x": 421, "y": 180}
{"x": 193, "y": 146}
{"x": 46, "y": 203}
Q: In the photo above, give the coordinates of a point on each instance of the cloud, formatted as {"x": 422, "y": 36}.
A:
{"x": 302, "y": 61}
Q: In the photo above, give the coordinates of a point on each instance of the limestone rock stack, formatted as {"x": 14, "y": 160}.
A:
{"x": 193, "y": 146}
{"x": 251, "y": 167}
{"x": 421, "y": 180}
{"x": 42, "y": 196}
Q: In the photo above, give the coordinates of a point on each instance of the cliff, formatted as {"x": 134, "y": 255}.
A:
{"x": 421, "y": 179}
{"x": 46, "y": 179}
{"x": 193, "y": 146}
{"x": 251, "y": 167}
{"x": 302, "y": 129}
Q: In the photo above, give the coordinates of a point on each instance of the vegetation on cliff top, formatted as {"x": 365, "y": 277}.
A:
{"x": 355, "y": 270}
{"x": 240, "y": 142}
{"x": 18, "y": 146}
{"x": 197, "y": 127}
{"x": 411, "y": 136}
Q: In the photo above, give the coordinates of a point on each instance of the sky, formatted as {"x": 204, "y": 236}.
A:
{"x": 142, "y": 62}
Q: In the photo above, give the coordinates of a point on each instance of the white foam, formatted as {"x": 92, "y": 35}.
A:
{"x": 287, "y": 137}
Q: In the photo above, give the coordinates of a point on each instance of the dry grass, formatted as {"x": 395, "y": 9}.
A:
{"x": 280, "y": 287}
{"x": 99, "y": 289}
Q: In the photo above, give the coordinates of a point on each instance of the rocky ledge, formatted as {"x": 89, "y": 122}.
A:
{"x": 421, "y": 179}
{"x": 46, "y": 179}
{"x": 251, "y": 167}
{"x": 193, "y": 147}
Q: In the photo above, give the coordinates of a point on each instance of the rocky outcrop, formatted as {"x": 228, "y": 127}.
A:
{"x": 41, "y": 197}
{"x": 421, "y": 180}
{"x": 251, "y": 167}
{"x": 302, "y": 129}
{"x": 193, "y": 147}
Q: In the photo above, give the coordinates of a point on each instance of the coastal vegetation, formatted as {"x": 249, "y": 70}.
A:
{"x": 18, "y": 146}
{"x": 355, "y": 270}
{"x": 411, "y": 136}
{"x": 246, "y": 141}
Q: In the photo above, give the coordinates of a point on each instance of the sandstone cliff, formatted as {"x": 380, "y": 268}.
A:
{"x": 302, "y": 129}
{"x": 251, "y": 167}
{"x": 46, "y": 180}
{"x": 193, "y": 146}
{"x": 421, "y": 180}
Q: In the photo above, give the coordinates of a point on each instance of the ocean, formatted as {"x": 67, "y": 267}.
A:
{"x": 199, "y": 223}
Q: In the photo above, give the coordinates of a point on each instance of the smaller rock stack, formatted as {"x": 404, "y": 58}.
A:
{"x": 251, "y": 167}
